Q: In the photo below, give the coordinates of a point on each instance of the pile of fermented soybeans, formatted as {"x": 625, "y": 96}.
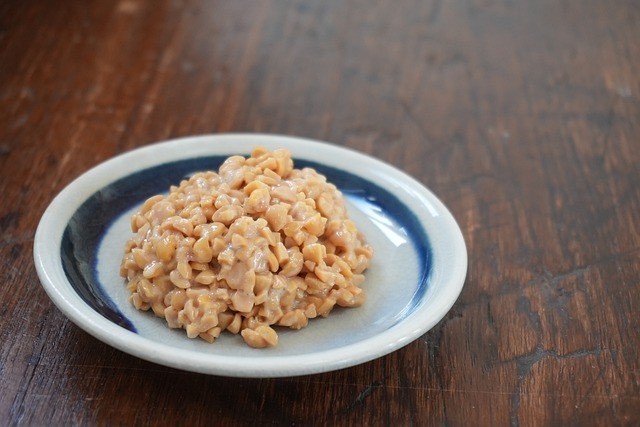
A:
{"x": 256, "y": 244}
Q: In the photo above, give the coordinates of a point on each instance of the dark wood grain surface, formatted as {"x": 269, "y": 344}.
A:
{"x": 522, "y": 116}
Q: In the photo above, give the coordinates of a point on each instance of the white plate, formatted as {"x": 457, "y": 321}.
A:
{"x": 416, "y": 275}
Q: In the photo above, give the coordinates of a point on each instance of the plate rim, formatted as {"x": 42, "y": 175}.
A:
{"x": 56, "y": 216}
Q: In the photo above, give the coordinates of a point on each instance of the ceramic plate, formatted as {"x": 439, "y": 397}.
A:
{"x": 416, "y": 275}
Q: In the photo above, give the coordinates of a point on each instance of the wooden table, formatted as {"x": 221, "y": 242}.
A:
{"x": 522, "y": 116}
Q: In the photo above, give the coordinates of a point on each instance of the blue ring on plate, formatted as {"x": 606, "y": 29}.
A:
{"x": 83, "y": 234}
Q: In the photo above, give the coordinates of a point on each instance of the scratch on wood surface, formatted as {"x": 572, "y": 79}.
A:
{"x": 409, "y": 114}
{"x": 366, "y": 392}
{"x": 580, "y": 270}
{"x": 588, "y": 393}
{"x": 73, "y": 144}
{"x": 526, "y": 362}
{"x": 18, "y": 410}
{"x": 574, "y": 272}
